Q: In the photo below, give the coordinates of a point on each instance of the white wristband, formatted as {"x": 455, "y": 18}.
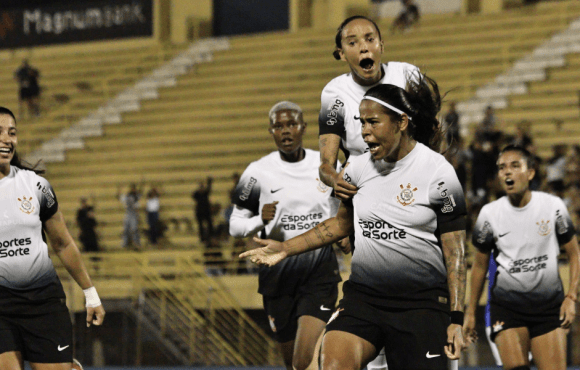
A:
{"x": 92, "y": 297}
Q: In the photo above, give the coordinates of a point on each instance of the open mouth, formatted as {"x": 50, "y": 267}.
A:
{"x": 367, "y": 64}
{"x": 373, "y": 147}
{"x": 509, "y": 182}
{"x": 5, "y": 150}
{"x": 287, "y": 141}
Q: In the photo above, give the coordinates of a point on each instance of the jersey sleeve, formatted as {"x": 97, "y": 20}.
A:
{"x": 482, "y": 235}
{"x": 353, "y": 171}
{"x": 332, "y": 113}
{"x": 46, "y": 198}
{"x": 565, "y": 230}
{"x": 447, "y": 199}
{"x": 247, "y": 191}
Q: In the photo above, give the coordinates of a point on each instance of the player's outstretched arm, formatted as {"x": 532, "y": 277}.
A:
{"x": 453, "y": 244}
{"x": 66, "y": 249}
{"x": 568, "y": 308}
{"x": 325, "y": 233}
{"x": 329, "y": 145}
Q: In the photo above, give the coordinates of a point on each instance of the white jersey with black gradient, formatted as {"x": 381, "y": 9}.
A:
{"x": 525, "y": 244}
{"x": 340, "y": 101}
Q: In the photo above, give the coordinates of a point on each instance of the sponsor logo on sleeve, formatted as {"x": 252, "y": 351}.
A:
{"x": 49, "y": 195}
{"x": 544, "y": 227}
{"x": 248, "y": 189}
{"x": 448, "y": 200}
{"x": 484, "y": 233}
{"x": 333, "y": 108}
{"x": 407, "y": 195}
{"x": 561, "y": 223}
{"x": 26, "y": 205}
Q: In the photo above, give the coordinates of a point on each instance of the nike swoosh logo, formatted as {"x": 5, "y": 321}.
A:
{"x": 504, "y": 234}
{"x": 62, "y": 348}
{"x": 431, "y": 356}
{"x": 322, "y": 308}
{"x": 275, "y": 191}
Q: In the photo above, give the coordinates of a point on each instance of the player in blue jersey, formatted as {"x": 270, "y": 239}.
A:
{"x": 523, "y": 232}
{"x": 35, "y": 325}
{"x": 407, "y": 286}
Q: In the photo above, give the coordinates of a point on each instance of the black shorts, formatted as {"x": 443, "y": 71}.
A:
{"x": 42, "y": 338}
{"x": 537, "y": 324}
{"x": 412, "y": 338}
{"x": 283, "y": 311}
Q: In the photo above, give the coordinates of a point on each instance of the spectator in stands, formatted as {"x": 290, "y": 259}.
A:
{"x": 556, "y": 170}
{"x": 451, "y": 121}
{"x": 87, "y": 223}
{"x": 573, "y": 167}
{"x": 152, "y": 207}
{"x": 131, "y": 223}
{"x": 408, "y": 17}
{"x": 27, "y": 78}
{"x": 203, "y": 209}
{"x": 522, "y": 137}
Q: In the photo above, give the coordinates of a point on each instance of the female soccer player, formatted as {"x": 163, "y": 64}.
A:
{"x": 359, "y": 44}
{"x": 524, "y": 231}
{"x": 408, "y": 217}
{"x": 280, "y": 197}
{"x": 35, "y": 324}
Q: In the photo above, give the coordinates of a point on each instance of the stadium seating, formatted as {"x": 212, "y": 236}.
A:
{"x": 214, "y": 122}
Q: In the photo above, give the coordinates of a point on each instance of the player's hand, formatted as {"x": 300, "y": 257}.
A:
{"x": 344, "y": 245}
{"x": 455, "y": 341}
{"x": 567, "y": 312}
{"x": 469, "y": 328}
{"x": 95, "y": 315}
{"x": 268, "y": 212}
{"x": 270, "y": 254}
{"x": 342, "y": 189}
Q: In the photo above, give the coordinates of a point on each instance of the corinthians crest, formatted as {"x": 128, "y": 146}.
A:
{"x": 25, "y": 205}
{"x": 544, "y": 227}
{"x": 322, "y": 187}
{"x": 407, "y": 196}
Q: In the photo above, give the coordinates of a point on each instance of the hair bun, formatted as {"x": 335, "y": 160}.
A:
{"x": 336, "y": 54}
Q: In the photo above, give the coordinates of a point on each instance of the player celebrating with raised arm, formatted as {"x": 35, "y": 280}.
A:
{"x": 358, "y": 43}
{"x": 280, "y": 196}
{"x": 408, "y": 217}
{"x": 524, "y": 232}
{"x": 35, "y": 325}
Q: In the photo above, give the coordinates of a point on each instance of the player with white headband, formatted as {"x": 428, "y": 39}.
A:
{"x": 407, "y": 285}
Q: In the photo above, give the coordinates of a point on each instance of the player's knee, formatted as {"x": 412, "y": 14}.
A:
{"x": 524, "y": 367}
{"x": 301, "y": 362}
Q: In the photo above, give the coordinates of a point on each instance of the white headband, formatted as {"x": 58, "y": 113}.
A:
{"x": 397, "y": 110}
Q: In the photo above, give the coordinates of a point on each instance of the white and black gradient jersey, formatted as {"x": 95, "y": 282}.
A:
{"x": 400, "y": 211}
{"x": 525, "y": 244}
{"x": 26, "y": 271}
{"x": 304, "y": 202}
{"x": 340, "y": 101}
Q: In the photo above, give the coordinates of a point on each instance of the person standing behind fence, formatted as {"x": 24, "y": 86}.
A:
{"x": 29, "y": 90}
{"x": 203, "y": 209}
{"x": 87, "y": 223}
{"x": 131, "y": 222}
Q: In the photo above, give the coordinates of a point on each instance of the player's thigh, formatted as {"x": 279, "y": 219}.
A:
{"x": 513, "y": 345}
{"x": 549, "y": 350}
{"x": 57, "y": 366}
{"x": 309, "y": 331}
{"x": 11, "y": 360}
{"x": 343, "y": 350}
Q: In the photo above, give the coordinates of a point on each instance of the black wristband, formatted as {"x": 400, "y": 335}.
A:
{"x": 457, "y": 317}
